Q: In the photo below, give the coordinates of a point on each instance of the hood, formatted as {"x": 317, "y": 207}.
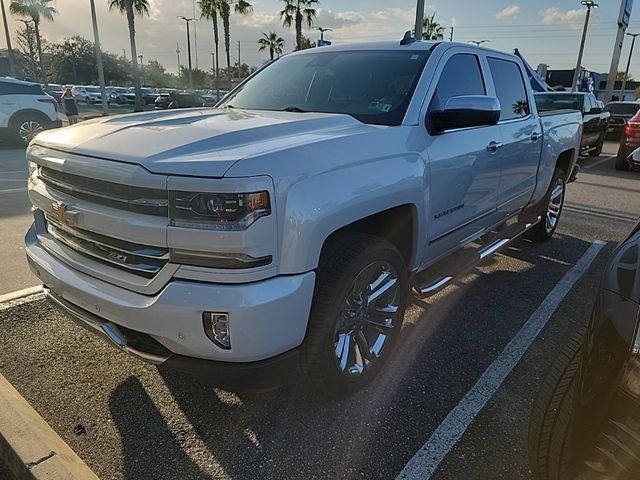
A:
{"x": 196, "y": 142}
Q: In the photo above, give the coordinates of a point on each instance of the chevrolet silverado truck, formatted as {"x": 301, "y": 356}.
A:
{"x": 285, "y": 230}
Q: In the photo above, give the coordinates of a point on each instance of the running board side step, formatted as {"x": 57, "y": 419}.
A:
{"x": 440, "y": 275}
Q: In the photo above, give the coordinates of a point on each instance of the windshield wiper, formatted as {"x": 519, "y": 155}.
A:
{"x": 293, "y": 109}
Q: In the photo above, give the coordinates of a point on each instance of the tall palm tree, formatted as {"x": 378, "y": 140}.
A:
{"x": 295, "y": 12}
{"x": 36, "y": 10}
{"x": 131, "y": 8}
{"x": 209, "y": 9}
{"x": 432, "y": 30}
{"x": 273, "y": 42}
{"x": 241, "y": 7}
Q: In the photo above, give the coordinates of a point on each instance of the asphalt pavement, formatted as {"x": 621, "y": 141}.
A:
{"x": 128, "y": 420}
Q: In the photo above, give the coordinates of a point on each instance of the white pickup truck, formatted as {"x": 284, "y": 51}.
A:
{"x": 285, "y": 230}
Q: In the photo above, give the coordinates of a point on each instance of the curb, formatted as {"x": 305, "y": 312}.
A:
{"x": 9, "y": 297}
{"x": 30, "y": 447}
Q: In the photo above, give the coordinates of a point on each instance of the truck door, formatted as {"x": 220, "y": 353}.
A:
{"x": 521, "y": 136}
{"x": 464, "y": 163}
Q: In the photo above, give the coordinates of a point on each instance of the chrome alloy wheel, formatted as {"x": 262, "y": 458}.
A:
{"x": 366, "y": 322}
{"x": 555, "y": 206}
{"x": 29, "y": 129}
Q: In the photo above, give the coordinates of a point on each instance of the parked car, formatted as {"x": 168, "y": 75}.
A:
{"x": 629, "y": 142}
{"x": 55, "y": 90}
{"x": 595, "y": 120}
{"x": 25, "y": 110}
{"x": 287, "y": 229}
{"x": 149, "y": 95}
{"x": 121, "y": 96}
{"x": 87, "y": 94}
{"x": 586, "y": 419}
{"x": 185, "y": 100}
{"x": 621, "y": 113}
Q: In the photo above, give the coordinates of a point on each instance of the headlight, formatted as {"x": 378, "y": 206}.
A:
{"x": 217, "y": 211}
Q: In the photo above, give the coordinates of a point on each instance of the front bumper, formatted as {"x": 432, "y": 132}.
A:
{"x": 266, "y": 318}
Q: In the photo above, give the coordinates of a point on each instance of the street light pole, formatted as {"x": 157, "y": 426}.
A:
{"x": 178, "y": 54}
{"x": 477, "y": 43}
{"x": 322, "y": 30}
{"x": 626, "y": 73}
{"x": 142, "y": 68}
{"x": 96, "y": 44}
{"x": 187, "y": 20}
{"x": 419, "y": 20}
{"x": 12, "y": 65}
{"x": 589, "y": 4}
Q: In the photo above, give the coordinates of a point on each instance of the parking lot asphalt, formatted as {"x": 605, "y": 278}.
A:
{"x": 141, "y": 423}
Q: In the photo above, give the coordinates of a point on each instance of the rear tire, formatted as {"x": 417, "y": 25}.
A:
{"x": 26, "y": 126}
{"x": 553, "y": 205}
{"x": 353, "y": 327}
{"x": 597, "y": 150}
{"x": 621, "y": 161}
{"x": 549, "y": 427}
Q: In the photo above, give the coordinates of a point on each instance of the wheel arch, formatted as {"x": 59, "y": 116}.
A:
{"x": 29, "y": 111}
{"x": 565, "y": 161}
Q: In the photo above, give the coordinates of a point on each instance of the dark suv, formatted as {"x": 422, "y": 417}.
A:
{"x": 621, "y": 113}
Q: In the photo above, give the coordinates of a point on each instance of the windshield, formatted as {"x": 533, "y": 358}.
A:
{"x": 93, "y": 89}
{"x": 629, "y": 109}
{"x": 554, "y": 101}
{"x": 372, "y": 86}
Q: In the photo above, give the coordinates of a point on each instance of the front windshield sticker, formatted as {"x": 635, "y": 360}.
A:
{"x": 380, "y": 106}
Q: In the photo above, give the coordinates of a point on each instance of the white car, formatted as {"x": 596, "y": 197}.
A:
{"x": 87, "y": 94}
{"x": 25, "y": 110}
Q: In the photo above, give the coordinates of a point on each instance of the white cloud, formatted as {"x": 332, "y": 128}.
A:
{"x": 555, "y": 16}
{"x": 510, "y": 11}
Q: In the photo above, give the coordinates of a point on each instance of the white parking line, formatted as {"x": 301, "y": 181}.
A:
{"x": 600, "y": 162}
{"x": 426, "y": 461}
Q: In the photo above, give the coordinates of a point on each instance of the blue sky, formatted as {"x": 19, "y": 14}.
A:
{"x": 545, "y": 31}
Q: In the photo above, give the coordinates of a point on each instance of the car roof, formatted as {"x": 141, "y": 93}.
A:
{"x": 626, "y": 102}
{"x": 14, "y": 80}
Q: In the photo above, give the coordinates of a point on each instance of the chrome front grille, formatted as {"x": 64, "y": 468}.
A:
{"x": 148, "y": 201}
{"x": 137, "y": 259}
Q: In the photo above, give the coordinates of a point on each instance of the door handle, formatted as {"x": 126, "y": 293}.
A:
{"x": 535, "y": 136}
{"x": 494, "y": 147}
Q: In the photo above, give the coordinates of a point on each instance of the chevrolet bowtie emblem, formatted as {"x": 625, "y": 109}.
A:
{"x": 60, "y": 213}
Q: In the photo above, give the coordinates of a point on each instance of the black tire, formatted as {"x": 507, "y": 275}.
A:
{"x": 541, "y": 232}
{"x": 549, "y": 427}
{"x": 621, "y": 160}
{"x": 25, "y": 126}
{"x": 597, "y": 150}
{"x": 343, "y": 258}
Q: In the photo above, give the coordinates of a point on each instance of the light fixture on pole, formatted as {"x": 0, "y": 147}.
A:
{"x": 477, "y": 43}
{"x": 626, "y": 73}
{"x": 187, "y": 20}
{"x": 576, "y": 74}
{"x": 322, "y": 30}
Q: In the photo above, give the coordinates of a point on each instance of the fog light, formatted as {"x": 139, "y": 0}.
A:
{"x": 216, "y": 326}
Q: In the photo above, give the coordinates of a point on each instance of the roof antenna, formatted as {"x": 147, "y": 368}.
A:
{"x": 407, "y": 39}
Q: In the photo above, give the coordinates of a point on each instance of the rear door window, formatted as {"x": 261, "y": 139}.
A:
{"x": 510, "y": 88}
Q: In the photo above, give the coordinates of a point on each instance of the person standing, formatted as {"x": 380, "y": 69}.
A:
{"x": 70, "y": 105}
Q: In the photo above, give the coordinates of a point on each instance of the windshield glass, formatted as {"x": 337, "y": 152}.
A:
{"x": 551, "y": 101}
{"x": 372, "y": 86}
{"x": 629, "y": 109}
{"x": 93, "y": 90}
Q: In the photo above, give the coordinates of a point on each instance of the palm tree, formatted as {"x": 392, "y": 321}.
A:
{"x": 36, "y": 10}
{"x": 131, "y": 8}
{"x": 242, "y": 7}
{"x": 273, "y": 42}
{"x": 209, "y": 9}
{"x": 432, "y": 30}
{"x": 297, "y": 11}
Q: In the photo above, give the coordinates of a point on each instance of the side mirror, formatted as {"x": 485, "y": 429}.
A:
{"x": 595, "y": 111}
{"x": 465, "y": 112}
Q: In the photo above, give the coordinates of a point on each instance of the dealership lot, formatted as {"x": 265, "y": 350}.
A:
{"x": 126, "y": 419}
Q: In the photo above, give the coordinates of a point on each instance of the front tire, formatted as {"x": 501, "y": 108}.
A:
{"x": 550, "y": 424}
{"x": 357, "y": 312}
{"x": 597, "y": 150}
{"x": 554, "y": 204}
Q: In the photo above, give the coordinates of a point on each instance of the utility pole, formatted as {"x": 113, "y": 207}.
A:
{"x": 124, "y": 54}
{"x": 626, "y": 72}
{"x": 419, "y": 20}
{"x": 576, "y": 74}
{"x": 239, "y": 75}
{"x": 12, "y": 65}
{"x": 142, "y": 68}
{"x": 623, "y": 23}
{"x": 178, "y": 54}
{"x": 195, "y": 31}
{"x": 96, "y": 44}
{"x": 451, "y": 35}
{"x": 187, "y": 20}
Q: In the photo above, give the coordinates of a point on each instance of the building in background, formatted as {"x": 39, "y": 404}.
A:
{"x": 561, "y": 79}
